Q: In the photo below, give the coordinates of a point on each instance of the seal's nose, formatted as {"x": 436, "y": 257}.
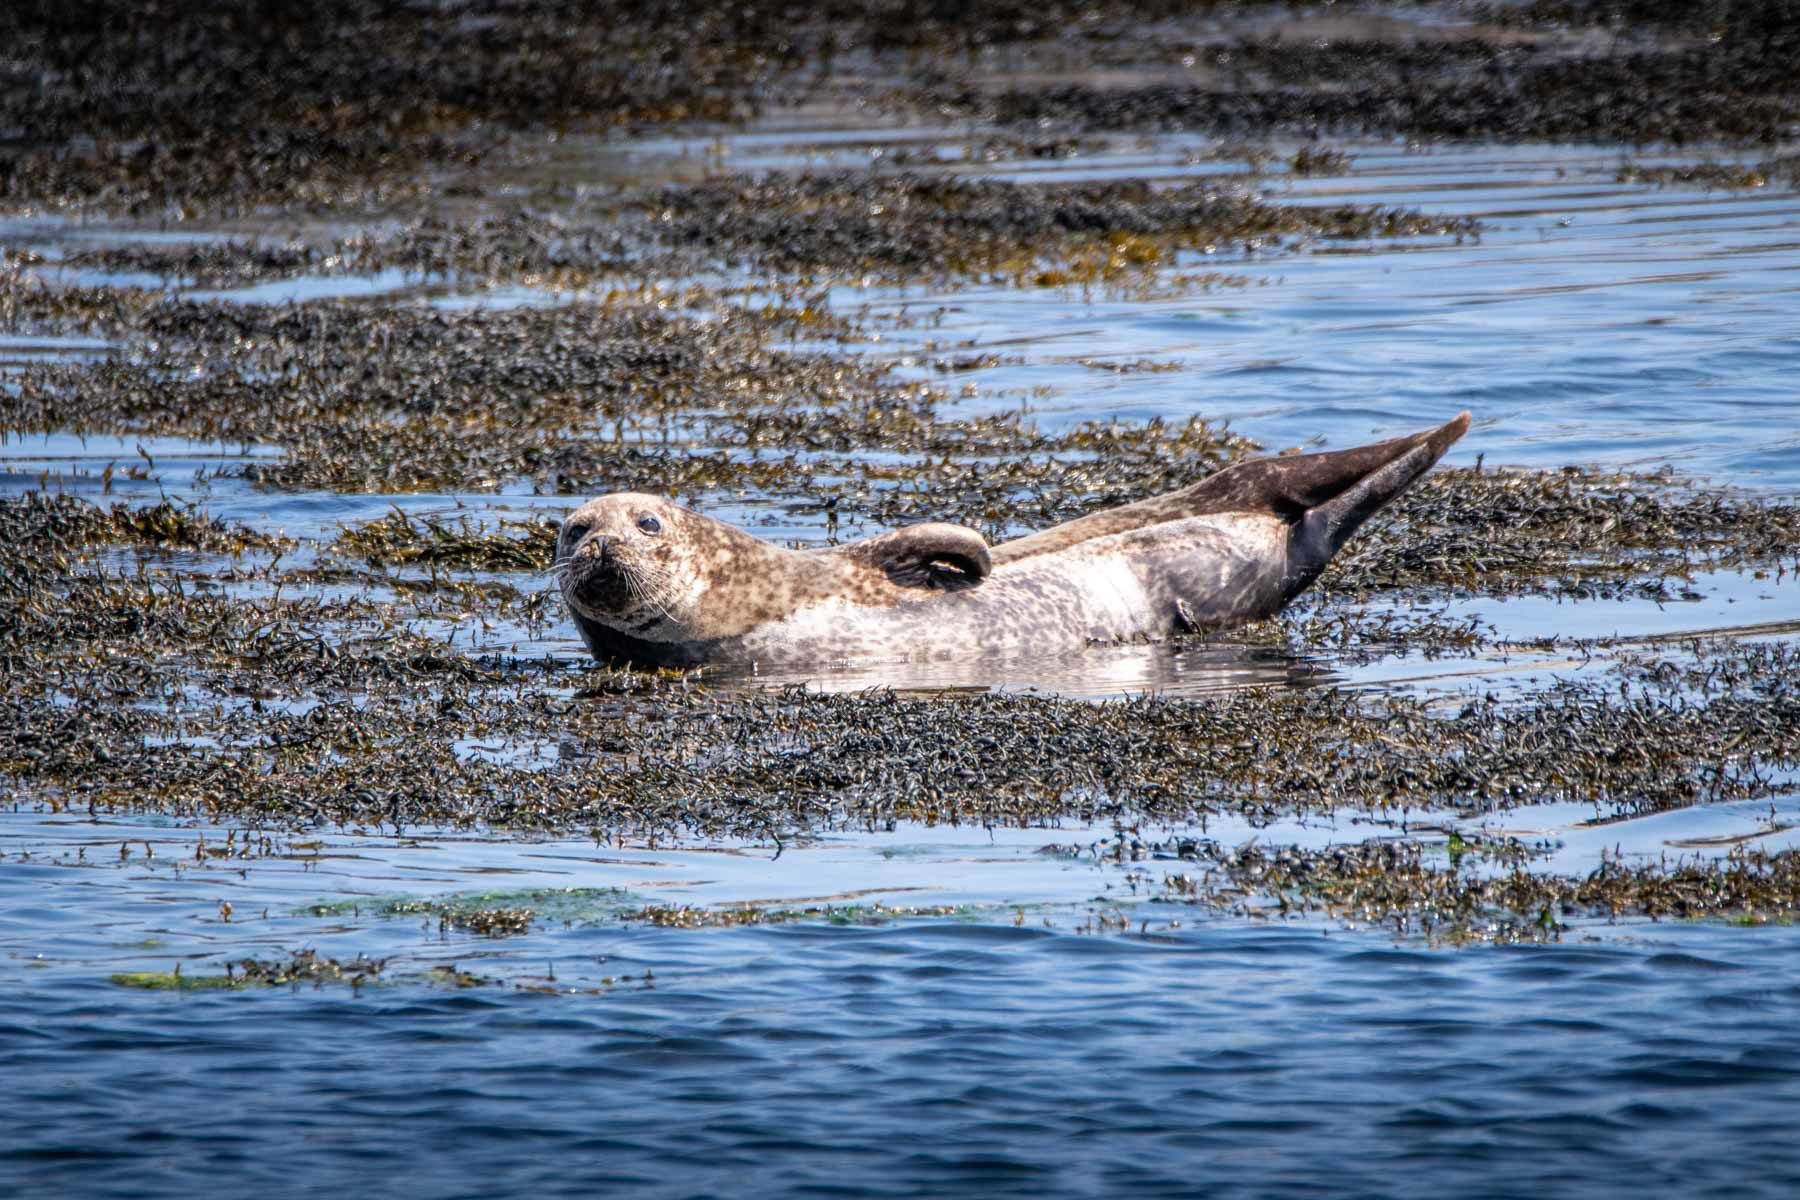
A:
{"x": 603, "y": 548}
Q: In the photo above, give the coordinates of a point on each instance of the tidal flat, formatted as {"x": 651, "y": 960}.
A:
{"x": 313, "y": 323}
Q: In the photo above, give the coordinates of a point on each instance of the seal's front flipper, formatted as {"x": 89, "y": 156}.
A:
{"x": 936, "y": 555}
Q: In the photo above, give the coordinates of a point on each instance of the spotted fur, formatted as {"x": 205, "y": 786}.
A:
{"x": 654, "y": 584}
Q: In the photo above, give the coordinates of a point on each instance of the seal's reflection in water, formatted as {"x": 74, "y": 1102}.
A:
{"x": 1097, "y": 673}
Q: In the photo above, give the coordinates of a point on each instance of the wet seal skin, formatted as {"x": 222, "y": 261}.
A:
{"x": 651, "y": 583}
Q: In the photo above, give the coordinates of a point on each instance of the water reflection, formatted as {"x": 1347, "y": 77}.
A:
{"x": 1095, "y": 673}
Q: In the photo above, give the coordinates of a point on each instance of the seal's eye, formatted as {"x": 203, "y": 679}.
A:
{"x": 576, "y": 531}
{"x": 649, "y": 524}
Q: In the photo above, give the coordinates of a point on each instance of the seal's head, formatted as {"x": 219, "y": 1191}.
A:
{"x": 650, "y": 581}
{"x": 634, "y": 562}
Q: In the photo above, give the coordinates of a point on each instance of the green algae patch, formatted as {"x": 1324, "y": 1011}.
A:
{"x": 303, "y": 967}
{"x": 168, "y": 981}
{"x": 500, "y": 913}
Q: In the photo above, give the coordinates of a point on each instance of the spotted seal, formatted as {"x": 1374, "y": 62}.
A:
{"x": 652, "y": 584}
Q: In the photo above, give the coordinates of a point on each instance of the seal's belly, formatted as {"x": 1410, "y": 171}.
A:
{"x": 1143, "y": 584}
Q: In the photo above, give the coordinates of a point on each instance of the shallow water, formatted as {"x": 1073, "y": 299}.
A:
{"x": 991, "y": 1028}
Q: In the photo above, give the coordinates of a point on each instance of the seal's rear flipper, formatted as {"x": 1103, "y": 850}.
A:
{"x": 1289, "y": 487}
{"x": 1293, "y": 486}
{"x": 1370, "y": 477}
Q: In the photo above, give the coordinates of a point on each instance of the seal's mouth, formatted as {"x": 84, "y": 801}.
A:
{"x": 601, "y": 591}
{"x": 598, "y": 582}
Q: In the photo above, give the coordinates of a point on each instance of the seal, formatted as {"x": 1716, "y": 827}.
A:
{"x": 653, "y": 584}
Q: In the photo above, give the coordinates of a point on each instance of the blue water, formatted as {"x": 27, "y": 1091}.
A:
{"x": 1059, "y": 1031}
{"x": 932, "y": 1060}
{"x": 1021, "y": 1043}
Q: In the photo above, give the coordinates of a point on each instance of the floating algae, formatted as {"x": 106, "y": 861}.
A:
{"x": 303, "y": 967}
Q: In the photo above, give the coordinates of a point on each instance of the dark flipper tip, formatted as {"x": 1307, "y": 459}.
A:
{"x": 1324, "y": 529}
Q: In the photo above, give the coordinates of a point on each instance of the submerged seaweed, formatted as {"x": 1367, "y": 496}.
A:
{"x": 1400, "y": 886}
